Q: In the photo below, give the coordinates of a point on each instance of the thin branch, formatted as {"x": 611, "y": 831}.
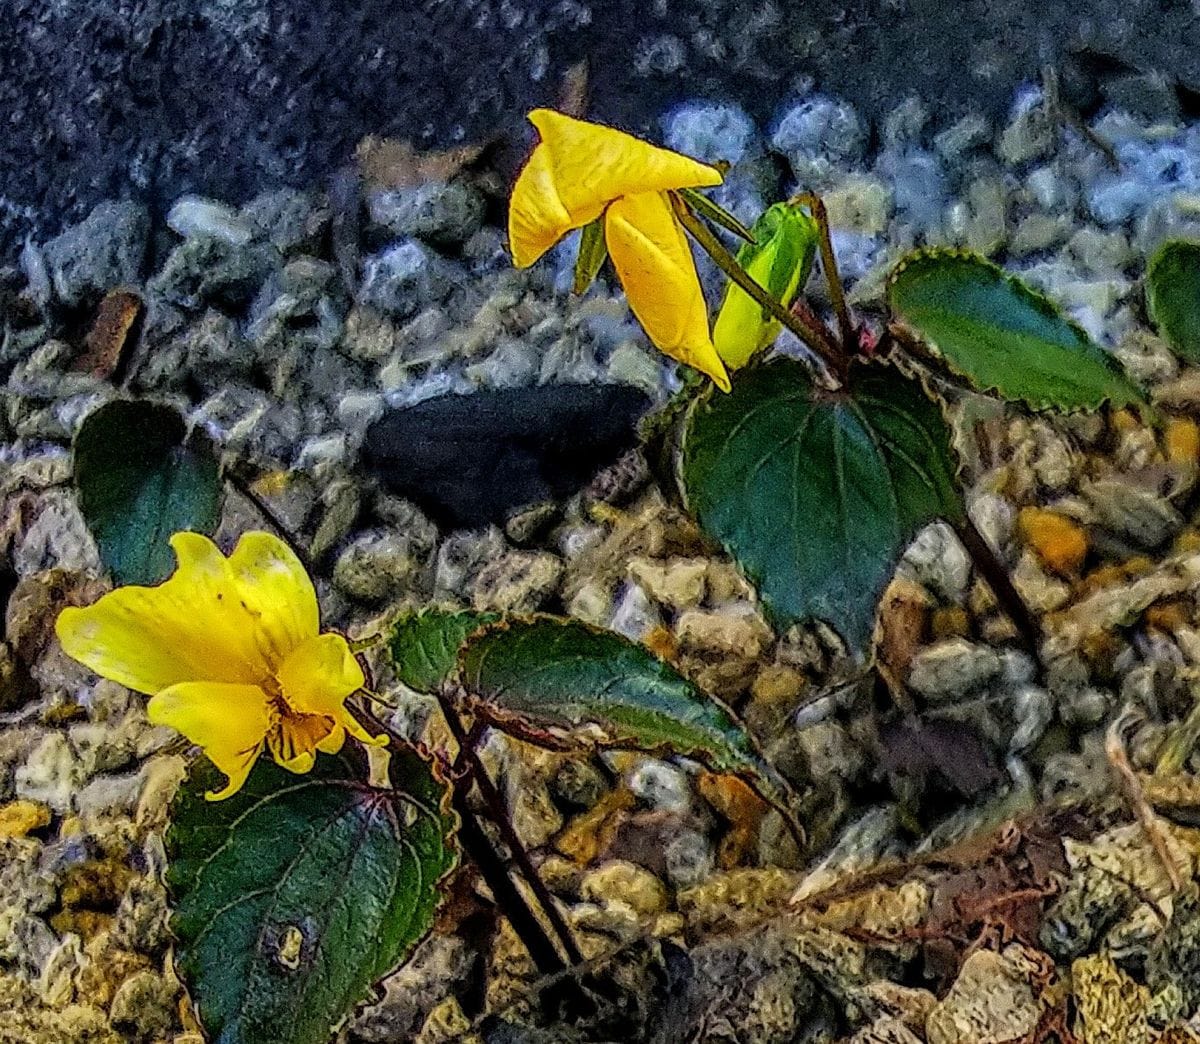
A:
{"x": 814, "y": 335}
{"x": 499, "y": 815}
{"x": 273, "y": 520}
{"x": 993, "y": 571}
{"x": 837, "y": 295}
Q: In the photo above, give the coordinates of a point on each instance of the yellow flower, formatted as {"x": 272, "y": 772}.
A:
{"x": 579, "y": 171}
{"x": 231, "y": 653}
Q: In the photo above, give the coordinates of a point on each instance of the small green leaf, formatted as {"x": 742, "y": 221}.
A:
{"x": 298, "y": 893}
{"x": 712, "y": 211}
{"x": 779, "y": 260}
{"x": 817, "y": 494}
{"x": 1002, "y": 336}
{"x": 424, "y": 645}
{"x": 141, "y": 479}
{"x": 1173, "y": 296}
{"x": 562, "y": 674}
{"x": 593, "y": 249}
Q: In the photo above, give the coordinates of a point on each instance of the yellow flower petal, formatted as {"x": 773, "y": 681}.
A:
{"x": 654, "y": 262}
{"x": 278, "y": 592}
{"x": 229, "y": 722}
{"x": 577, "y": 170}
{"x": 193, "y": 626}
{"x": 317, "y": 678}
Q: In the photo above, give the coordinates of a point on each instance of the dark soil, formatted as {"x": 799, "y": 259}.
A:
{"x": 153, "y": 98}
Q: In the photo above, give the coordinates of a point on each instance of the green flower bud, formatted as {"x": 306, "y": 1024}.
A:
{"x": 779, "y": 260}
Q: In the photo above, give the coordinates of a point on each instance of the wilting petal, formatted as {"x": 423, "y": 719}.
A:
{"x": 278, "y": 592}
{"x": 317, "y": 678}
{"x": 654, "y": 262}
{"x": 194, "y": 626}
{"x": 577, "y": 170}
{"x": 229, "y": 722}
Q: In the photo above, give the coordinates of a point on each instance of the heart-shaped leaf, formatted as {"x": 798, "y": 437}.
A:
{"x": 563, "y": 674}
{"x": 1173, "y": 296}
{"x": 298, "y": 893}
{"x": 141, "y": 478}
{"x": 1001, "y": 335}
{"x": 816, "y": 494}
{"x": 424, "y": 645}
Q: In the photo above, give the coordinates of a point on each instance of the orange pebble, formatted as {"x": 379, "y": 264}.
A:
{"x": 1059, "y": 543}
{"x": 1182, "y": 440}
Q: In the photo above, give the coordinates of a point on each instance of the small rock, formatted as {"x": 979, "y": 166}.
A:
{"x": 442, "y": 214}
{"x": 709, "y": 132}
{"x": 1032, "y": 711}
{"x": 937, "y": 560}
{"x": 1060, "y": 543}
{"x": 737, "y": 630}
{"x": 986, "y": 228}
{"x": 635, "y": 615}
{"x": 1029, "y": 134}
{"x": 991, "y": 1001}
{"x": 204, "y": 270}
{"x": 18, "y": 818}
{"x": 1037, "y": 232}
{"x": 920, "y": 186}
{"x": 144, "y": 1006}
{"x": 861, "y": 203}
{"x": 196, "y": 216}
{"x": 404, "y": 278}
{"x": 518, "y": 582}
{"x": 104, "y": 251}
{"x": 661, "y": 786}
{"x": 460, "y": 558}
{"x": 627, "y": 883}
{"x": 382, "y": 565}
{"x": 1133, "y": 512}
{"x": 675, "y": 584}
{"x": 51, "y": 773}
{"x": 952, "y": 668}
{"x": 820, "y": 136}
{"x": 970, "y": 132}
{"x": 292, "y": 221}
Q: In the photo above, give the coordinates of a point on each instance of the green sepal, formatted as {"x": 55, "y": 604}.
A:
{"x": 593, "y": 249}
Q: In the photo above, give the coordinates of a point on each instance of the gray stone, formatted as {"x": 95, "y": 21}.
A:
{"x": 514, "y": 364}
{"x": 951, "y": 668}
{"x": 986, "y": 229}
{"x": 1036, "y": 232}
{"x": 1100, "y": 252}
{"x": 1133, "y": 512}
{"x": 971, "y": 132}
{"x": 662, "y": 786}
{"x": 382, "y": 565}
{"x": 50, "y": 774}
{"x": 829, "y": 752}
{"x": 634, "y": 614}
{"x": 1029, "y": 134}
{"x": 919, "y": 183}
{"x": 820, "y": 136}
{"x": 1032, "y": 711}
{"x": 517, "y": 582}
{"x": 442, "y": 214}
{"x": 861, "y": 203}
{"x": 905, "y": 124}
{"x": 937, "y": 560}
{"x": 57, "y": 537}
{"x": 405, "y": 278}
{"x": 709, "y": 132}
{"x": 143, "y": 1007}
{"x": 203, "y": 270}
{"x": 460, "y": 558}
{"x": 661, "y": 55}
{"x": 197, "y": 216}
{"x": 689, "y": 858}
{"x": 290, "y": 220}
{"x": 1052, "y": 190}
{"x": 436, "y": 970}
{"x": 105, "y": 250}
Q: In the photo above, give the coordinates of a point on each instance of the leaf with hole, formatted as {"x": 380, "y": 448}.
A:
{"x": 423, "y": 645}
{"x": 296, "y": 894}
{"x": 1173, "y": 296}
{"x": 1001, "y": 335}
{"x": 564, "y": 674}
{"x": 816, "y": 494}
{"x": 141, "y": 478}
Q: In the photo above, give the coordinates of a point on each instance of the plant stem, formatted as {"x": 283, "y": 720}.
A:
{"x": 993, "y": 571}
{"x": 837, "y": 294}
{"x": 498, "y": 814}
{"x": 814, "y": 335}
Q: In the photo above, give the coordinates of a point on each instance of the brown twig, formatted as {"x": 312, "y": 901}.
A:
{"x": 477, "y": 773}
{"x": 1114, "y": 749}
{"x": 837, "y": 294}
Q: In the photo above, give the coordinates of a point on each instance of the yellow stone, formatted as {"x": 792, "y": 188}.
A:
{"x": 1188, "y": 541}
{"x": 1182, "y": 440}
{"x": 1059, "y": 543}
{"x": 951, "y": 621}
{"x": 18, "y": 818}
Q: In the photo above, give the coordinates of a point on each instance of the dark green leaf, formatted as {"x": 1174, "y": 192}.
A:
{"x": 714, "y": 212}
{"x": 140, "y": 480}
{"x": 562, "y": 673}
{"x": 1002, "y": 336}
{"x": 817, "y": 494}
{"x": 424, "y": 645}
{"x": 1173, "y": 296}
{"x": 299, "y": 892}
{"x": 593, "y": 249}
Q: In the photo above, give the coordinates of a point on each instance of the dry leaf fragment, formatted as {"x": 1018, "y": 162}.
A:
{"x": 112, "y": 336}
